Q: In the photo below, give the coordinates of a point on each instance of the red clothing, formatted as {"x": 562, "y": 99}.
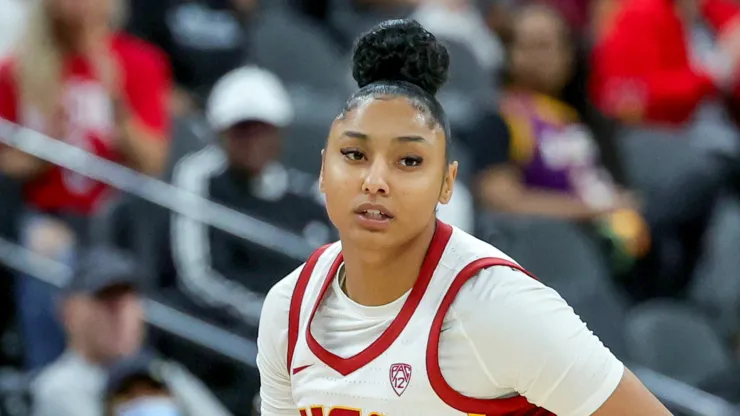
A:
{"x": 641, "y": 67}
{"x": 145, "y": 76}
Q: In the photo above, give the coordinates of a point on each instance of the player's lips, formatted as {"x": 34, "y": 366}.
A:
{"x": 374, "y": 209}
{"x": 373, "y": 217}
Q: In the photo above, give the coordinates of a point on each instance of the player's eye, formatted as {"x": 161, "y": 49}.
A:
{"x": 411, "y": 161}
{"x": 352, "y": 154}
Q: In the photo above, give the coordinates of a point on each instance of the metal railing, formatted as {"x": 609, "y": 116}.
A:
{"x": 161, "y": 193}
{"x": 674, "y": 393}
{"x": 157, "y": 314}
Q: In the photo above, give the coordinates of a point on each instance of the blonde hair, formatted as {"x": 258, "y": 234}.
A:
{"x": 40, "y": 61}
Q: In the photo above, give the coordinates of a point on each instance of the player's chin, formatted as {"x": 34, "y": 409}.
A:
{"x": 371, "y": 236}
{"x": 370, "y": 240}
{"x": 373, "y": 224}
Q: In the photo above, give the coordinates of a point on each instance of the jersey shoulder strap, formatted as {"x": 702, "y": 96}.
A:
{"x": 516, "y": 405}
{"x": 296, "y": 300}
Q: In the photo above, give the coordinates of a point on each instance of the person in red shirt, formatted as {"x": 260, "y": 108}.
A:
{"x": 73, "y": 77}
{"x": 103, "y": 91}
{"x": 642, "y": 70}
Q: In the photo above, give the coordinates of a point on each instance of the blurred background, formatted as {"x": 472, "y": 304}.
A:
{"x": 173, "y": 182}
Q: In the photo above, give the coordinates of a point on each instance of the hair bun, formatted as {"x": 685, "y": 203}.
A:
{"x": 400, "y": 50}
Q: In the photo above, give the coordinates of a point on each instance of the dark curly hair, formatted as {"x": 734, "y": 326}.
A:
{"x": 401, "y": 58}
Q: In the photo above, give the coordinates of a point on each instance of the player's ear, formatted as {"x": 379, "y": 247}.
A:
{"x": 321, "y": 173}
{"x": 449, "y": 183}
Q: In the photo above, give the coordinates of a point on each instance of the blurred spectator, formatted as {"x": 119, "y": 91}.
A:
{"x": 643, "y": 69}
{"x": 12, "y": 21}
{"x": 578, "y": 14}
{"x": 549, "y": 163}
{"x": 711, "y": 126}
{"x": 34, "y": 299}
{"x": 138, "y": 387}
{"x": 659, "y": 72}
{"x": 602, "y": 12}
{"x": 575, "y": 12}
{"x": 248, "y": 110}
{"x": 103, "y": 318}
{"x": 77, "y": 80}
{"x": 461, "y": 21}
{"x": 209, "y": 272}
{"x": 147, "y": 386}
{"x": 204, "y": 40}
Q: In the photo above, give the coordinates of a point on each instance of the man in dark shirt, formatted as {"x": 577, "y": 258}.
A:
{"x": 210, "y": 273}
{"x": 247, "y": 109}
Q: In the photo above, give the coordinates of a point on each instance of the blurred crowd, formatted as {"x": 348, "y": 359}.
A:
{"x": 598, "y": 140}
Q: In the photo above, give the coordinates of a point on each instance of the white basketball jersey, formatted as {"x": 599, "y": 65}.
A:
{"x": 398, "y": 374}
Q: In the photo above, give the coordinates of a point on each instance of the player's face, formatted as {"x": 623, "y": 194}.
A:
{"x": 384, "y": 172}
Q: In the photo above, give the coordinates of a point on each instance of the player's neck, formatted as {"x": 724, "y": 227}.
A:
{"x": 379, "y": 277}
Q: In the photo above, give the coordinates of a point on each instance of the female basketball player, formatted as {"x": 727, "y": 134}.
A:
{"x": 407, "y": 315}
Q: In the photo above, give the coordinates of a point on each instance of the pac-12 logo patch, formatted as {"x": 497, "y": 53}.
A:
{"x": 400, "y": 377}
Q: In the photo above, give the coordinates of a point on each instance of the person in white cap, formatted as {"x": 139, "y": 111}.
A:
{"x": 211, "y": 273}
{"x": 247, "y": 108}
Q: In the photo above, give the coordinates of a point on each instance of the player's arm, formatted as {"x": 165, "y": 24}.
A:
{"x": 631, "y": 397}
{"x": 550, "y": 356}
{"x": 272, "y": 349}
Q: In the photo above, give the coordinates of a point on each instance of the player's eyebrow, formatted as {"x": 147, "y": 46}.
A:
{"x": 355, "y": 135}
{"x": 362, "y": 136}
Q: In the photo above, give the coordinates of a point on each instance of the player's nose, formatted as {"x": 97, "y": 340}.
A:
{"x": 375, "y": 180}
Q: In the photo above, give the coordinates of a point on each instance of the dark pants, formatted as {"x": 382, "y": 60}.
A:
{"x": 37, "y": 306}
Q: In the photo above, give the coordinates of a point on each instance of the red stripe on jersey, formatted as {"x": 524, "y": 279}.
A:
{"x": 345, "y": 366}
{"x": 294, "y": 316}
{"x": 510, "y": 406}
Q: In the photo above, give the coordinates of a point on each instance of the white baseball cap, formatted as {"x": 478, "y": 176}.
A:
{"x": 249, "y": 94}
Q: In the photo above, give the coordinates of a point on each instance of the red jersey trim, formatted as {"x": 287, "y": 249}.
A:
{"x": 510, "y": 406}
{"x": 294, "y": 314}
{"x": 345, "y": 366}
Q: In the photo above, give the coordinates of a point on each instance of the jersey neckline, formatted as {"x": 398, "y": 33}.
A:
{"x": 355, "y": 309}
{"x": 349, "y": 365}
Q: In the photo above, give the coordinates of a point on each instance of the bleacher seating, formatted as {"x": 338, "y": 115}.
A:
{"x": 469, "y": 89}
{"x": 676, "y": 340}
{"x": 565, "y": 258}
